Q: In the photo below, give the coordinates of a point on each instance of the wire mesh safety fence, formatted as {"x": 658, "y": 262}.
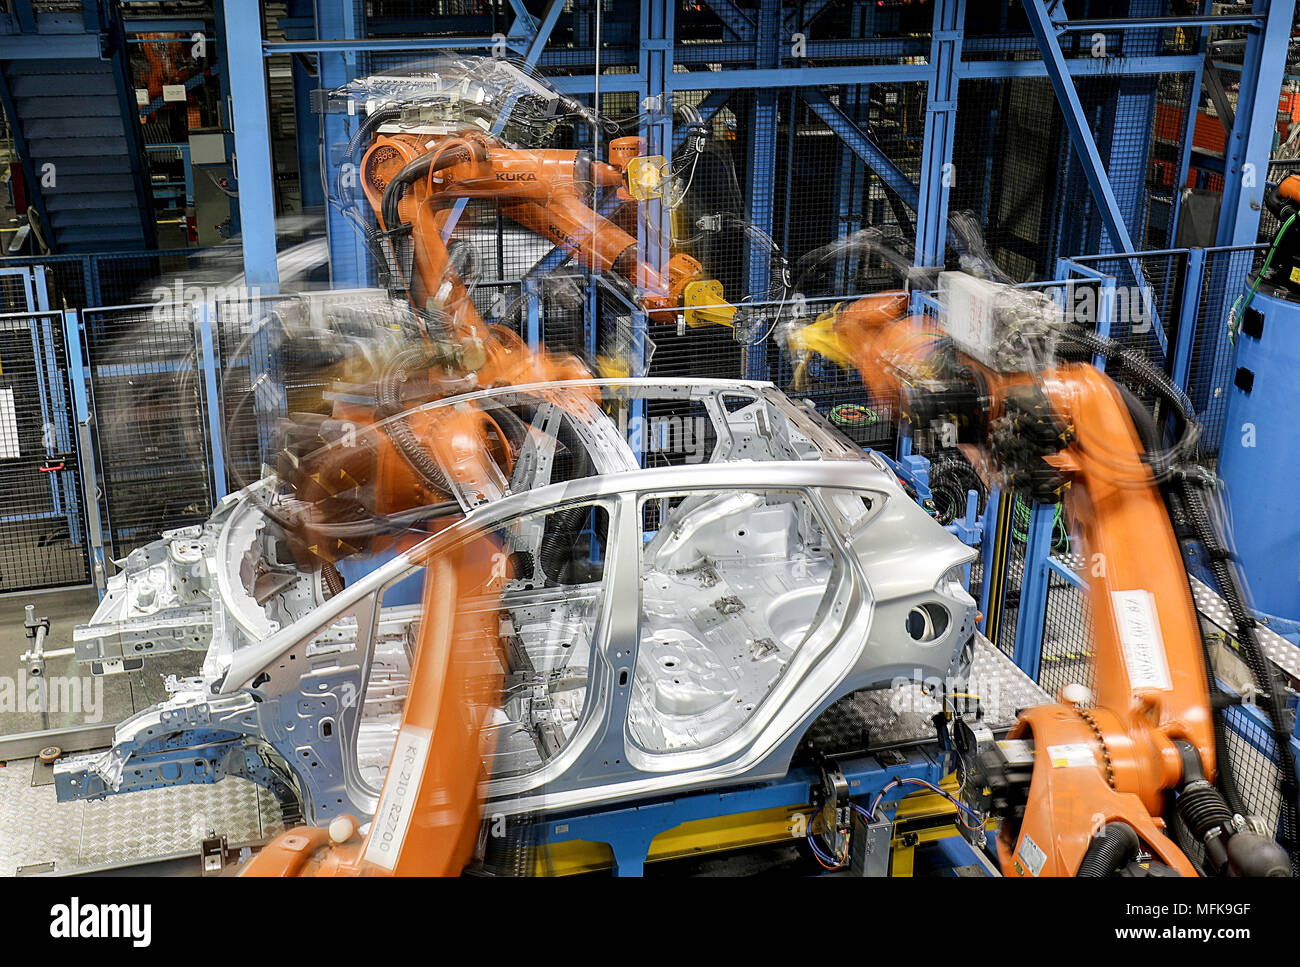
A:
{"x": 1253, "y": 757}
{"x": 1015, "y": 168}
{"x": 265, "y": 376}
{"x": 42, "y": 517}
{"x": 1179, "y": 317}
{"x": 150, "y": 422}
{"x": 1066, "y": 657}
{"x": 128, "y": 278}
{"x": 1209, "y": 376}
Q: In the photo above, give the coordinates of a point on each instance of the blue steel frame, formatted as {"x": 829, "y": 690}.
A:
{"x": 750, "y": 55}
{"x": 629, "y": 830}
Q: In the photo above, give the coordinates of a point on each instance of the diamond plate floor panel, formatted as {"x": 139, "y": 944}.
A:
{"x": 35, "y": 828}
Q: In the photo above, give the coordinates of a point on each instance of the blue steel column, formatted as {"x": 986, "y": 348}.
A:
{"x": 1245, "y": 165}
{"x": 655, "y": 62}
{"x": 1245, "y": 170}
{"x": 940, "y": 132}
{"x": 251, "y": 121}
{"x": 1033, "y": 590}
{"x": 1189, "y": 311}
{"x": 77, "y": 384}
{"x": 310, "y": 185}
{"x": 987, "y": 556}
{"x": 211, "y": 367}
{"x": 762, "y": 179}
{"x": 654, "y": 230}
{"x": 349, "y": 257}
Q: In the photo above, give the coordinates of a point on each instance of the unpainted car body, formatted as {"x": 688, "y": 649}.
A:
{"x": 661, "y": 628}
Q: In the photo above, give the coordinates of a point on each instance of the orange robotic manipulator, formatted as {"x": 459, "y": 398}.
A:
{"x": 1108, "y": 774}
{"x": 412, "y": 180}
{"x": 412, "y": 183}
{"x": 1104, "y": 767}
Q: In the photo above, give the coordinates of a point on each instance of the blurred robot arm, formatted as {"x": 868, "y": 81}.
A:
{"x": 1087, "y": 783}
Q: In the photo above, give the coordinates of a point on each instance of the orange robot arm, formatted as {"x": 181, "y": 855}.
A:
{"x": 1118, "y": 760}
{"x": 1150, "y": 682}
{"x": 541, "y": 189}
{"x": 429, "y": 812}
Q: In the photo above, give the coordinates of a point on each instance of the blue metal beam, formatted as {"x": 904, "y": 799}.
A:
{"x": 543, "y": 32}
{"x": 211, "y": 366}
{"x": 247, "y": 78}
{"x": 866, "y": 149}
{"x": 630, "y": 830}
{"x": 762, "y": 178}
{"x": 863, "y": 48}
{"x": 349, "y": 255}
{"x": 49, "y": 46}
{"x": 758, "y": 78}
{"x": 1082, "y": 66}
{"x": 1156, "y": 23}
{"x": 940, "y": 133}
{"x": 1033, "y": 590}
{"x": 1248, "y": 147}
{"x": 736, "y": 80}
{"x": 380, "y": 45}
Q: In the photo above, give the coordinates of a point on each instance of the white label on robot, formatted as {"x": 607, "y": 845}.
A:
{"x": 1017, "y": 750}
{"x": 1070, "y": 755}
{"x": 1031, "y": 855}
{"x": 175, "y": 92}
{"x": 1139, "y": 637}
{"x": 402, "y": 788}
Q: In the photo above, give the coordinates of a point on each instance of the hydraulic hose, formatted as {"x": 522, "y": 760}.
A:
{"x": 399, "y": 430}
{"x": 444, "y": 156}
{"x": 555, "y": 550}
{"x": 1162, "y": 462}
{"x": 1269, "y": 698}
{"x": 347, "y": 200}
{"x": 1219, "y": 700}
{"x": 1230, "y": 849}
{"x": 1111, "y": 849}
{"x": 362, "y": 134}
